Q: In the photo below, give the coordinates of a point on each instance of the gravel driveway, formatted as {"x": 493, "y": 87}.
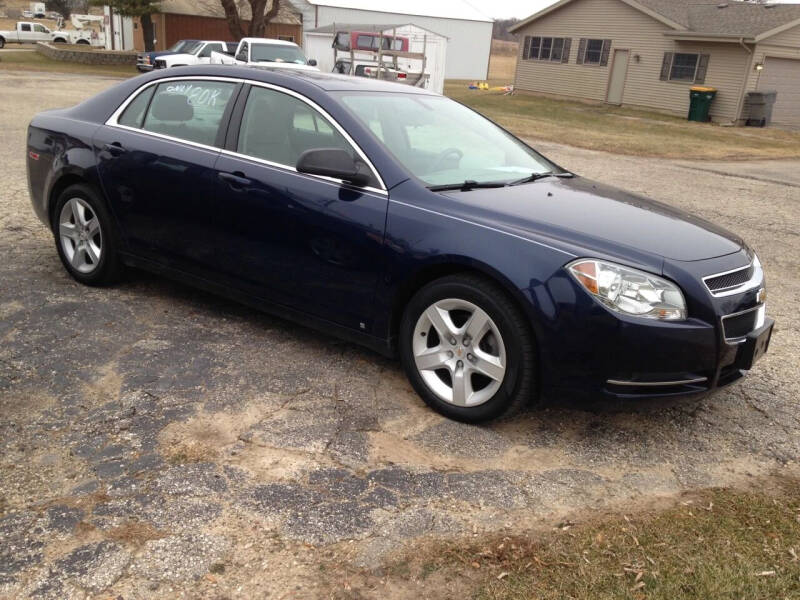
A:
{"x": 156, "y": 440}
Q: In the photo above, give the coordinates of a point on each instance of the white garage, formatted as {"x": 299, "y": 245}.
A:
{"x": 783, "y": 75}
{"x": 468, "y": 31}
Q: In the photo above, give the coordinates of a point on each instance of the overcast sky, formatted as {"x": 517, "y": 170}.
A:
{"x": 503, "y": 9}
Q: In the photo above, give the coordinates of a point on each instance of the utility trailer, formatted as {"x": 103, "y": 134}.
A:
{"x": 405, "y": 53}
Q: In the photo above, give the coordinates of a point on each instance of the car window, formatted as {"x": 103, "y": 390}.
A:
{"x": 278, "y": 127}
{"x": 189, "y": 110}
{"x": 134, "y": 113}
{"x": 39, "y": 28}
{"x": 242, "y": 52}
{"x": 25, "y": 27}
{"x": 206, "y": 52}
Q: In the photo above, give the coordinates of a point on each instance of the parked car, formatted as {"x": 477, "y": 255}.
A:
{"x": 265, "y": 51}
{"x": 404, "y": 221}
{"x": 199, "y": 54}
{"x": 145, "y": 61}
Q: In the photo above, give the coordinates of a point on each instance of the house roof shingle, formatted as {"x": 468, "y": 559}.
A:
{"x": 728, "y": 18}
{"x": 725, "y": 17}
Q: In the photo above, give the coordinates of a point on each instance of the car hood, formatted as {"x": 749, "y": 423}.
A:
{"x": 585, "y": 212}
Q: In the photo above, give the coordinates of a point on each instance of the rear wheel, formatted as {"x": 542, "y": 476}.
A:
{"x": 85, "y": 237}
{"x": 2, "y": 43}
{"x": 467, "y": 349}
{"x": 84, "y": 42}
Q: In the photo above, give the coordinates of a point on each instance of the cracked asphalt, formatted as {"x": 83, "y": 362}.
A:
{"x": 160, "y": 442}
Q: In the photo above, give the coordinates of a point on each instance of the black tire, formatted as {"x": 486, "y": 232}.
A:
{"x": 83, "y": 42}
{"x": 518, "y": 385}
{"x": 108, "y": 268}
{"x": 2, "y": 43}
{"x": 59, "y": 41}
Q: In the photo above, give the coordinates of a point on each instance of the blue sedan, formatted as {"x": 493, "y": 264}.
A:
{"x": 403, "y": 221}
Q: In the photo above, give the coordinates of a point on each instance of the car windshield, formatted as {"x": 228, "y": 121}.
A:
{"x": 276, "y": 53}
{"x": 186, "y": 46}
{"x": 443, "y": 142}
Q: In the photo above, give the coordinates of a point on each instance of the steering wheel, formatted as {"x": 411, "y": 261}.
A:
{"x": 443, "y": 155}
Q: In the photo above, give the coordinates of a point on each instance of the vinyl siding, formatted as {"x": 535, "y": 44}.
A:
{"x": 629, "y": 29}
{"x": 790, "y": 37}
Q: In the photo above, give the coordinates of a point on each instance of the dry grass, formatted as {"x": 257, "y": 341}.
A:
{"x": 134, "y": 532}
{"x": 621, "y": 130}
{"x": 721, "y": 544}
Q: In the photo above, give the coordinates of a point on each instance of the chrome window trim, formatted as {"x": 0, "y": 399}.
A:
{"x": 754, "y": 281}
{"x": 656, "y": 383}
{"x": 113, "y": 121}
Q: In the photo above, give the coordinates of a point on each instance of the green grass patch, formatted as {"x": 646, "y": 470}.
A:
{"x": 720, "y": 545}
{"x": 624, "y": 130}
{"x": 33, "y": 61}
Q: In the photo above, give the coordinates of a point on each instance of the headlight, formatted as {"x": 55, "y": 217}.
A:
{"x": 629, "y": 291}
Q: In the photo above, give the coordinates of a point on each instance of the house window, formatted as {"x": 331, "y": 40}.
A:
{"x": 593, "y": 52}
{"x": 678, "y": 66}
{"x": 546, "y": 48}
{"x": 286, "y": 38}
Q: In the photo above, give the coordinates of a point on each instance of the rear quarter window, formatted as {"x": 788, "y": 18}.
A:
{"x": 134, "y": 113}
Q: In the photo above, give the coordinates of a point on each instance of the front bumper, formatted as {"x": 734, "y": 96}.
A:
{"x": 588, "y": 350}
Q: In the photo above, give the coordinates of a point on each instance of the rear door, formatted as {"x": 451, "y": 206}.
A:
{"x": 156, "y": 163}
{"x": 309, "y": 242}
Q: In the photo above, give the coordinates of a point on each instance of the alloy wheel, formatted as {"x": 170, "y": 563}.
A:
{"x": 459, "y": 352}
{"x": 80, "y": 234}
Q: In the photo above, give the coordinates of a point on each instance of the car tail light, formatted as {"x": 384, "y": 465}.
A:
{"x": 402, "y": 76}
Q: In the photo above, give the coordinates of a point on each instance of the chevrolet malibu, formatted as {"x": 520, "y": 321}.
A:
{"x": 403, "y": 221}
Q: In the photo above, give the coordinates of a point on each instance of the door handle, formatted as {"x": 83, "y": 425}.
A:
{"x": 236, "y": 180}
{"x": 114, "y": 149}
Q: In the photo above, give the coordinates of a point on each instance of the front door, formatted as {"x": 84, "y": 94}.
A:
{"x": 312, "y": 243}
{"x": 619, "y": 71}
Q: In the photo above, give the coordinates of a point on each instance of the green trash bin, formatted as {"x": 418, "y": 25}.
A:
{"x": 700, "y": 99}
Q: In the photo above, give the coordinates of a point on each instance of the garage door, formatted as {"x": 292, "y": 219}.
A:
{"x": 783, "y": 75}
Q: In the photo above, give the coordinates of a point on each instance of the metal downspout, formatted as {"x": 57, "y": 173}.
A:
{"x": 748, "y": 66}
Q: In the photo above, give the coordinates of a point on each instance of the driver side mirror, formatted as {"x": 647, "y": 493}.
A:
{"x": 336, "y": 163}
{"x": 312, "y": 62}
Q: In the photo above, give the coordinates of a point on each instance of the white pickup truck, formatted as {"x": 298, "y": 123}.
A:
{"x": 194, "y": 53}
{"x": 30, "y": 33}
{"x": 266, "y": 52}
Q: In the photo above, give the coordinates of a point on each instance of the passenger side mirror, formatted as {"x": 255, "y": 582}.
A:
{"x": 334, "y": 162}
{"x": 312, "y": 62}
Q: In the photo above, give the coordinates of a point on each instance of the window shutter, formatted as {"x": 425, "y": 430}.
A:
{"x": 665, "y": 65}
{"x": 604, "y": 53}
{"x": 702, "y": 67}
{"x": 565, "y": 52}
{"x": 581, "y": 51}
{"x": 526, "y": 50}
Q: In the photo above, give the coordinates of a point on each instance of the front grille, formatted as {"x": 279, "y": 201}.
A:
{"x": 726, "y": 281}
{"x": 738, "y": 326}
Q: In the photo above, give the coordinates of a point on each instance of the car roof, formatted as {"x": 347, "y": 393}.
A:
{"x": 258, "y": 40}
{"x": 294, "y": 79}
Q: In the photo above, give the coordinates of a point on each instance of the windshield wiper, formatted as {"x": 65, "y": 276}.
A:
{"x": 537, "y": 176}
{"x": 467, "y": 185}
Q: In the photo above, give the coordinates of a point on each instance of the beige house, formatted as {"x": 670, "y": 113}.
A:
{"x": 648, "y": 53}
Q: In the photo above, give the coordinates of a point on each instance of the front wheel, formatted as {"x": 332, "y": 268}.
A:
{"x": 467, "y": 349}
{"x": 2, "y": 43}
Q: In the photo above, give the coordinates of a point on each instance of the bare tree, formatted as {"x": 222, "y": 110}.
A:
{"x": 259, "y": 19}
